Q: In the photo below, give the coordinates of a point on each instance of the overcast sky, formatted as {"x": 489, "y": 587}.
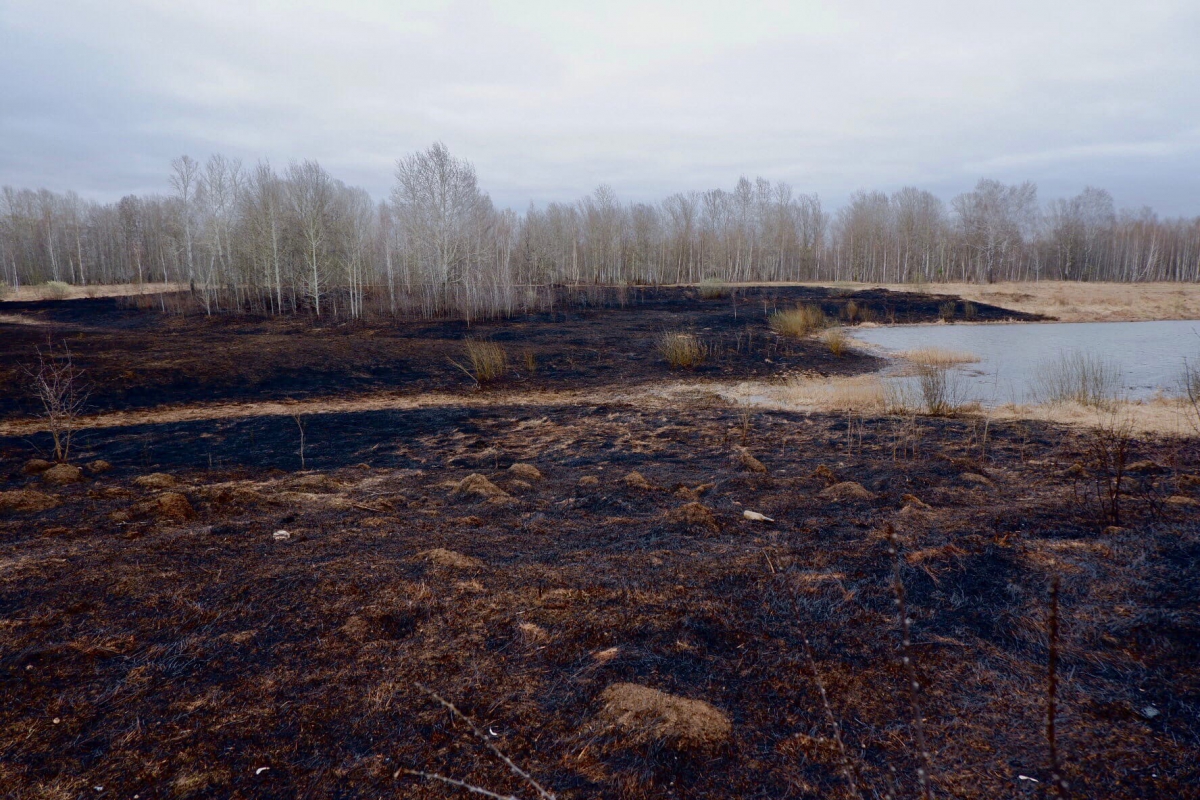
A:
{"x": 550, "y": 99}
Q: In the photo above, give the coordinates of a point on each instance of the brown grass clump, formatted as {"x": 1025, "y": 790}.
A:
{"x": 477, "y": 485}
{"x": 450, "y": 558}
{"x": 694, "y": 516}
{"x": 36, "y": 466}
{"x": 942, "y": 390}
{"x": 526, "y": 472}
{"x": 26, "y": 500}
{"x": 173, "y": 506}
{"x": 747, "y": 460}
{"x": 156, "y": 480}
{"x": 635, "y": 480}
{"x": 62, "y": 474}
{"x": 846, "y": 490}
{"x": 682, "y": 350}
{"x": 799, "y": 321}
{"x": 649, "y": 715}
{"x": 939, "y": 357}
{"x": 837, "y": 341}
{"x": 486, "y": 361}
{"x": 56, "y": 290}
{"x": 865, "y": 393}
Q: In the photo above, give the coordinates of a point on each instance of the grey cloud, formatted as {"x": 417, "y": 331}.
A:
{"x": 551, "y": 101}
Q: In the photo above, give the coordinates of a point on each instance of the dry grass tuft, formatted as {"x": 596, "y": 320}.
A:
{"x": 526, "y": 472}
{"x": 156, "y": 480}
{"x": 486, "y": 361}
{"x": 694, "y": 516}
{"x": 62, "y": 474}
{"x": 171, "y": 506}
{"x": 635, "y": 480}
{"x": 477, "y": 485}
{"x": 1078, "y": 377}
{"x": 682, "y": 349}
{"x": 859, "y": 393}
{"x": 26, "y": 500}
{"x": 56, "y": 290}
{"x": 712, "y": 289}
{"x": 942, "y": 390}
{"x": 837, "y": 341}
{"x": 847, "y": 490}
{"x": 799, "y": 321}
{"x": 649, "y": 715}
{"x": 747, "y": 460}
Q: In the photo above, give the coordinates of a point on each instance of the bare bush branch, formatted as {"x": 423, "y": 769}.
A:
{"x": 58, "y": 384}
{"x": 496, "y": 751}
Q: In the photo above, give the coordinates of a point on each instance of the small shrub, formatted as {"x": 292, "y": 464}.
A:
{"x": 59, "y": 386}
{"x": 837, "y": 341}
{"x": 799, "y": 321}
{"x": 56, "y": 290}
{"x": 969, "y": 311}
{"x": 850, "y": 311}
{"x": 486, "y": 361}
{"x": 682, "y": 350}
{"x": 1108, "y": 458}
{"x": 712, "y": 289}
{"x": 530, "y": 362}
{"x": 946, "y": 310}
{"x": 941, "y": 389}
{"x": 1078, "y": 377}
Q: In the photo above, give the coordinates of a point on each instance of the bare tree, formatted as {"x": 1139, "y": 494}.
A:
{"x": 185, "y": 174}
{"x": 58, "y": 384}
{"x": 440, "y": 247}
{"x": 311, "y": 194}
{"x": 442, "y": 210}
{"x": 995, "y": 221}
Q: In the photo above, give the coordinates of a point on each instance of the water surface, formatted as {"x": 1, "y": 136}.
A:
{"x": 1149, "y": 355}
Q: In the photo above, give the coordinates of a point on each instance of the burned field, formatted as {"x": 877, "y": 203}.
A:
{"x": 583, "y": 581}
{"x": 141, "y": 359}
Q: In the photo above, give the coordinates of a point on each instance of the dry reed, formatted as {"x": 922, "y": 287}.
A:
{"x": 1079, "y": 377}
{"x": 939, "y": 357}
{"x": 486, "y": 361}
{"x": 837, "y": 341}
{"x": 682, "y": 349}
{"x": 799, "y": 321}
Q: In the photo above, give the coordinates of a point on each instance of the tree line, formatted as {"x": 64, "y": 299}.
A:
{"x": 301, "y": 241}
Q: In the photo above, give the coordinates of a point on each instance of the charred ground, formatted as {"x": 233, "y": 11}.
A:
{"x": 138, "y": 358}
{"x": 159, "y": 640}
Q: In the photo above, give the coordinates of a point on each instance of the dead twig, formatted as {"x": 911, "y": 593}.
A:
{"x": 483, "y": 737}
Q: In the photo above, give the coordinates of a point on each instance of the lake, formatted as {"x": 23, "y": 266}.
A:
{"x": 1149, "y": 355}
